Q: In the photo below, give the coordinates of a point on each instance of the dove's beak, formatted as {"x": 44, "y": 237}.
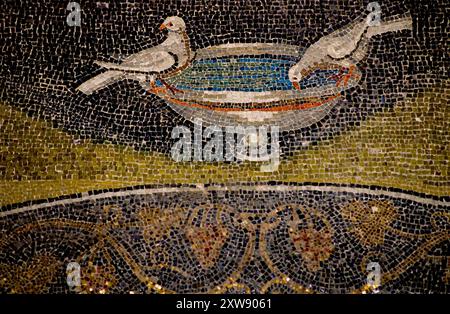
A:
{"x": 162, "y": 27}
{"x": 296, "y": 86}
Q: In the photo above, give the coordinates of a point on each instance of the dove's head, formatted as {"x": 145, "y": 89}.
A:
{"x": 173, "y": 24}
{"x": 295, "y": 76}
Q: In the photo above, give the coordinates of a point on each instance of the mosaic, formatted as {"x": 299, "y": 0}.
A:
{"x": 224, "y": 147}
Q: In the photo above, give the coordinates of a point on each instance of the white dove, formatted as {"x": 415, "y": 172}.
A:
{"x": 344, "y": 47}
{"x": 166, "y": 59}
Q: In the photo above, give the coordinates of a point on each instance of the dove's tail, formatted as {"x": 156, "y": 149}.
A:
{"x": 394, "y": 24}
{"x": 100, "y": 81}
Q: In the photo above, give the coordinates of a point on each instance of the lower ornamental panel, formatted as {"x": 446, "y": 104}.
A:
{"x": 228, "y": 239}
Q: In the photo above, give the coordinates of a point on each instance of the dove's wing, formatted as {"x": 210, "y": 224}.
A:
{"x": 149, "y": 60}
{"x": 351, "y": 41}
{"x": 393, "y": 24}
{"x": 343, "y": 42}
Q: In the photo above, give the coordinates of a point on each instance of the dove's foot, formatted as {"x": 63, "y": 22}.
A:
{"x": 162, "y": 90}
{"x": 155, "y": 89}
{"x": 171, "y": 88}
{"x": 342, "y": 78}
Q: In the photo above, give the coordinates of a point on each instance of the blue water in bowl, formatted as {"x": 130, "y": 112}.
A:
{"x": 246, "y": 74}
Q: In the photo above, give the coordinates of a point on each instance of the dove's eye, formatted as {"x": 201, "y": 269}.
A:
{"x": 170, "y": 24}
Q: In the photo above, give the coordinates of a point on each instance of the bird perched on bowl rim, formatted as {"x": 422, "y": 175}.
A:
{"x": 158, "y": 62}
{"x": 344, "y": 48}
